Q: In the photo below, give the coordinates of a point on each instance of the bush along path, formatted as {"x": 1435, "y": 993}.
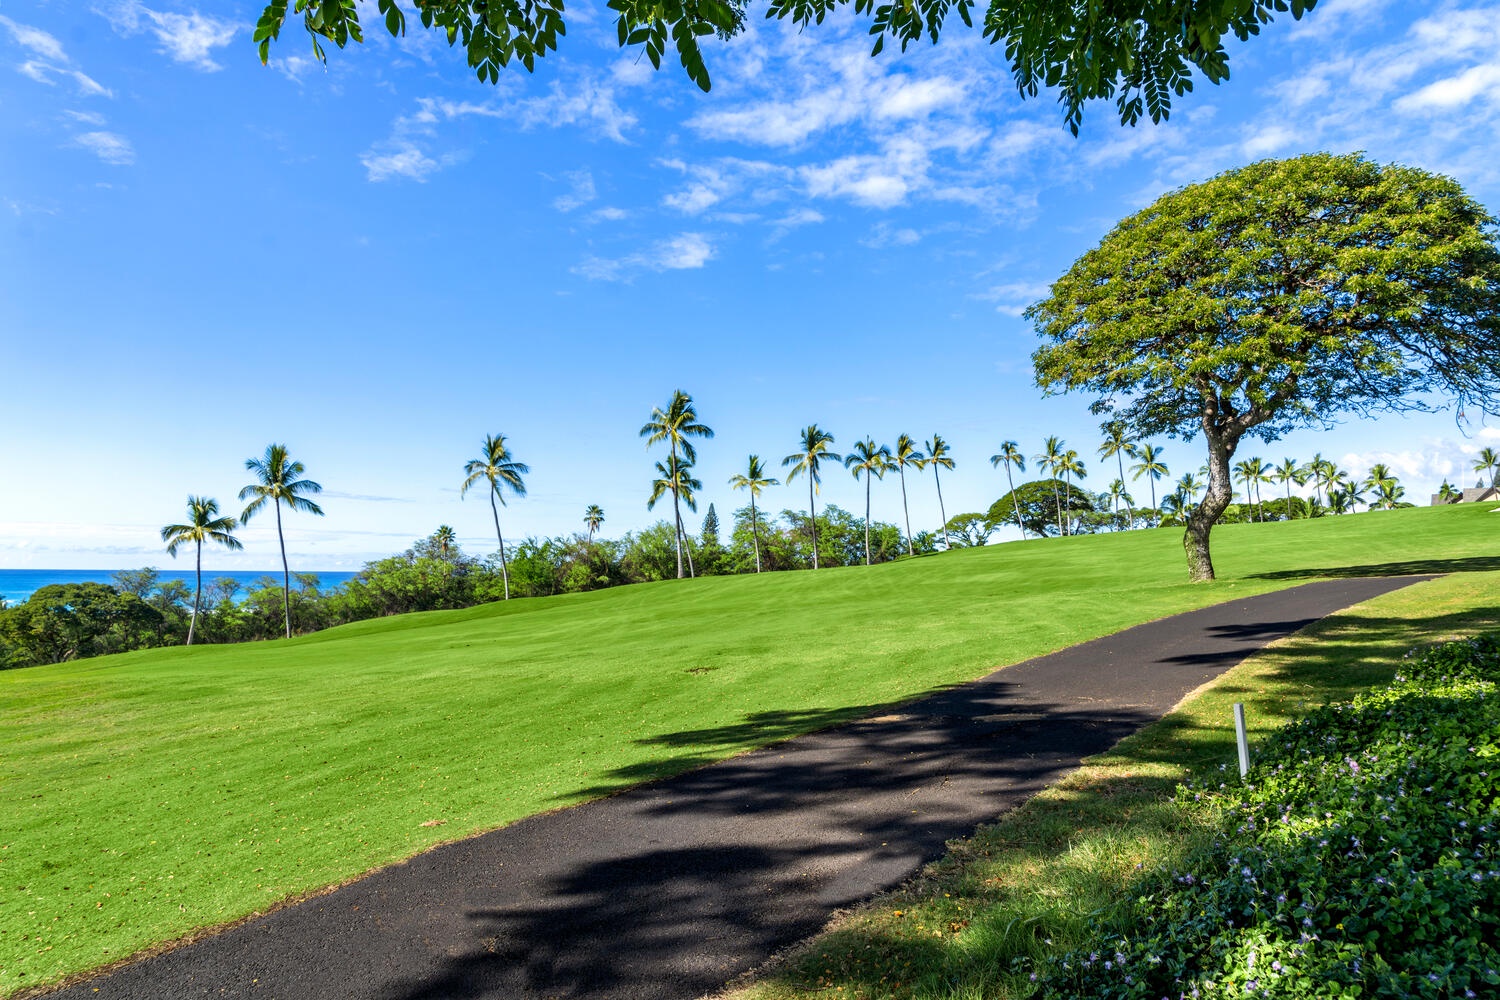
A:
{"x": 1359, "y": 858}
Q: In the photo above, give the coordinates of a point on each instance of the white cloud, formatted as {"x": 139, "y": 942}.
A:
{"x": 1476, "y": 82}
{"x": 35, "y": 39}
{"x": 186, "y": 38}
{"x": 685, "y": 251}
{"x": 110, "y": 147}
{"x": 609, "y": 213}
{"x": 581, "y": 194}
{"x": 86, "y": 117}
{"x": 1014, "y": 297}
{"x": 405, "y": 160}
{"x": 886, "y": 235}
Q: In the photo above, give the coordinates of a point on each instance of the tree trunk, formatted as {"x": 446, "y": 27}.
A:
{"x": 1204, "y": 516}
{"x": 1129, "y": 514}
{"x": 683, "y": 536}
{"x": 812, "y": 513}
{"x": 504, "y": 569}
{"x": 676, "y": 510}
{"x": 1057, "y": 499}
{"x": 197, "y": 594}
{"x": 1012, "y": 484}
{"x": 906, "y": 513}
{"x": 941, "y": 511}
{"x": 1068, "y": 479}
{"x": 867, "y": 517}
{"x": 755, "y": 530}
{"x": 286, "y": 574}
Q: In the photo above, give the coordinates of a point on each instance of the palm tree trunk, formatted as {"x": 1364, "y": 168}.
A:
{"x": 197, "y": 594}
{"x": 941, "y": 511}
{"x": 755, "y": 530}
{"x": 682, "y": 534}
{"x": 867, "y": 518}
{"x": 812, "y": 513}
{"x": 286, "y": 574}
{"x": 504, "y": 568}
{"x": 1129, "y": 514}
{"x": 676, "y": 509}
{"x": 1068, "y": 479}
{"x": 1013, "y": 499}
{"x": 1057, "y": 499}
{"x": 910, "y": 547}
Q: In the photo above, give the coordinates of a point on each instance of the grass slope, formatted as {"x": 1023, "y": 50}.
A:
{"x": 147, "y": 795}
{"x": 1047, "y": 877}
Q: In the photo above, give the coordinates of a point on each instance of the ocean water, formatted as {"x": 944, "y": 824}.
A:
{"x": 18, "y": 584}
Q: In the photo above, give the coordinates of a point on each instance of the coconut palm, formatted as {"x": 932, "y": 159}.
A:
{"x": 496, "y": 466}
{"x": 1287, "y": 473}
{"x": 1050, "y": 460}
{"x": 1447, "y": 494}
{"x": 1117, "y": 495}
{"x": 1151, "y": 466}
{"x": 675, "y": 476}
{"x": 1010, "y": 455}
{"x": 1118, "y": 444}
{"x": 1321, "y": 473}
{"x": 815, "y": 450}
{"x": 871, "y": 461}
{"x": 1070, "y": 465}
{"x": 754, "y": 479}
{"x": 1190, "y": 485}
{"x": 1248, "y": 471}
{"x": 279, "y": 482}
{"x": 675, "y": 425}
{"x": 906, "y": 454}
{"x": 1388, "y": 494}
{"x": 1488, "y": 461}
{"x": 593, "y": 519}
{"x": 202, "y": 527}
{"x": 1379, "y": 475}
{"x": 938, "y": 457}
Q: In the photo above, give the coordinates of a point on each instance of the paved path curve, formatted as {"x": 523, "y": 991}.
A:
{"x": 672, "y": 889}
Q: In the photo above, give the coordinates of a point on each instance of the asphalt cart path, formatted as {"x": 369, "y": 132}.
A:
{"x": 674, "y": 888}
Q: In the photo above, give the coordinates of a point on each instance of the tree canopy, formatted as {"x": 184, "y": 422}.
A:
{"x": 1276, "y": 296}
{"x": 1140, "y": 53}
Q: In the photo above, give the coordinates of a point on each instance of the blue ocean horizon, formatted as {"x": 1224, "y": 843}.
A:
{"x": 16, "y": 585}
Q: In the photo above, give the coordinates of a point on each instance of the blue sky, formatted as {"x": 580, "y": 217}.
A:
{"x": 380, "y": 262}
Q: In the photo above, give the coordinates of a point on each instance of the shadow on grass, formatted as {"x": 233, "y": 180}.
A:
{"x": 1409, "y": 567}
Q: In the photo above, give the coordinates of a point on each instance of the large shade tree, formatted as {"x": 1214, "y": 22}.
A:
{"x": 1140, "y": 53}
{"x": 278, "y": 479}
{"x": 498, "y": 468}
{"x": 202, "y": 526}
{"x": 1276, "y": 296}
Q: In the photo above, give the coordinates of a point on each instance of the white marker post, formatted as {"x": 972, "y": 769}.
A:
{"x": 1240, "y": 739}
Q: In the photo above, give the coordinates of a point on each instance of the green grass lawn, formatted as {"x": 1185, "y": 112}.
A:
{"x": 1045, "y": 878}
{"x": 147, "y": 795}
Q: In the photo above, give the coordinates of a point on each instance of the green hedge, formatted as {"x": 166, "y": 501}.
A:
{"x": 1358, "y": 860}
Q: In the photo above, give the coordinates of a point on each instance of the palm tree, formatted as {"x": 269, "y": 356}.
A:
{"x": 1321, "y": 473}
{"x": 1380, "y": 474}
{"x": 1070, "y": 465}
{"x": 1248, "y": 473}
{"x": 871, "y": 460}
{"x": 1050, "y": 459}
{"x": 1150, "y": 466}
{"x": 593, "y": 519}
{"x": 445, "y": 538}
{"x": 815, "y": 450}
{"x": 1010, "y": 455}
{"x": 1190, "y": 486}
{"x": 202, "y": 527}
{"x": 1388, "y": 494}
{"x": 1117, "y": 445}
{"x": 496, "y": 466}
{"x": 1116, "y": 494}
{"x": 906, "y": 453}
{"x": 1447, "y": 494}
{"x": 1289, "y": 472}
{"x": 1488, "y": 461}
{"x": 754, "y": 479}
{"x": 279, "y": 483}
{"x": 674, "y": 425}
{"x": 675, "y": 476}
{"x": 937, "y": 457}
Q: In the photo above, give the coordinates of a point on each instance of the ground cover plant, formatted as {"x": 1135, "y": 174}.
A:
{"x": 1049, "y": 882}
{"x": 1358, "y": 859}
{"x": 147, "y": 795}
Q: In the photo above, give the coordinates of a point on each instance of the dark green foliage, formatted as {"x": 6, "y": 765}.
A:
{"x": 1141, "y": 54}
{"x": 966, "y": 531}
{"x": 1039, "y": 502}
{"x": 1359, "y": 859}
{"x": 69, "y": 621}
